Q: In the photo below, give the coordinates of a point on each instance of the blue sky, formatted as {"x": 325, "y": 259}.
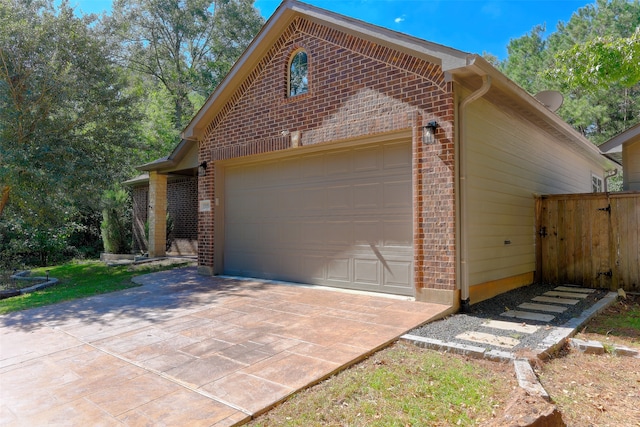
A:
{"x": 474, "y": 26}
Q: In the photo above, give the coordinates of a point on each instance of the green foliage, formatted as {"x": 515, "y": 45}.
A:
{"x": 590, "y": 59}
{"x": 187, "y": 46}
{"x": 22, "y": 244}
{"x": 116, "y": 221}
{"x": 66, "y": 116}
{"x": 600, "y": 62}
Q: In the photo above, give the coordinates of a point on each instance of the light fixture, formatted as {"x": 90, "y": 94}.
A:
{"x": 429, "y": 132}
{"x": 202, "y": 169}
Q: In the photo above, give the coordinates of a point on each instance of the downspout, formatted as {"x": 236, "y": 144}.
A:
{"x": 462, "y": 173}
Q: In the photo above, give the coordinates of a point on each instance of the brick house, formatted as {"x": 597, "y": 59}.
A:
{"x": 342, "y": 154}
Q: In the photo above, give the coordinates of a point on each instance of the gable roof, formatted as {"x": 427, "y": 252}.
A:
{"x": 613, "y": 147}
{"x": 467, "y": 69}
{"x": 278, "y": 24}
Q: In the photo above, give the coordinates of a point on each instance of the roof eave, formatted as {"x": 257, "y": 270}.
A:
{"x": 617, "y": 141}
{"x": 481, "y": 66}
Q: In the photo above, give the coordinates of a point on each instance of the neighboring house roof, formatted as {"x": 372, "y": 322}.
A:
{"x": 613, "y": 147}
{"x": 467, "y": 69}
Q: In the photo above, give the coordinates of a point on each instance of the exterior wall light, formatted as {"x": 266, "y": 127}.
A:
{"x": 429, "y": 133}
{"x": 202, "y": 169}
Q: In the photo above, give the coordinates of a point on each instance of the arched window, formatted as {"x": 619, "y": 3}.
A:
{"x": 298, "y": 74}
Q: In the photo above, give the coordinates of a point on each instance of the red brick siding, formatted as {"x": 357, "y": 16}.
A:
{"x": 182, "y": 206}
{"x": 140, "y": 195}
{"x": 356, "y": 88}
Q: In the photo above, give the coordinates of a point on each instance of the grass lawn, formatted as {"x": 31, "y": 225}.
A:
{"x": 401, "y": 385}
{"x": 79, "y": 279}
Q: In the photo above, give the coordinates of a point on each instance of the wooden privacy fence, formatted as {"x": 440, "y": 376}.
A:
{"x": 591, "y": 240}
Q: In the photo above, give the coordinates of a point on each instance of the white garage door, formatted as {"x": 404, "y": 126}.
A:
{"x": 339, "y": 218}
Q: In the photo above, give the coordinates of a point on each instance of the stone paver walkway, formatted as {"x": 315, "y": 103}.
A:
{"x": 186, "y": 350}
{"x": 497, "y": 334}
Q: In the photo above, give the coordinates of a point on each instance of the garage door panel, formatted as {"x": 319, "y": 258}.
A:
{"x": 338, "y": 163}
{"x": 311, "y": 200}
{"x": 313, "y": 166}
{"x": 288, "y": 201}
{"x": 396, "y": 156}
{"x": 287, "y": 170}
{"x": 339, "y": 234}
{"x": 289, "y": 235}
{"x": 367, "y": 233}
{"x": 339, "y": 197}
{"x": 314, "y": 266}
{"x": 339, "y": 269}
{"x": 397, "y": 194}
{"x": 312, "y": 234}
{"x": 367, "y": 196}
{"x": 338, "y": 218}
{"x": 366, "y": 271}
{"x": 398, "y": 273}
{"x": 396, "y": 234}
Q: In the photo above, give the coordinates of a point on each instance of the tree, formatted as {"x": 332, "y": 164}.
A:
{"x": 600, "y": 62}
{"x": 186, "y": 45}
{"x": 599, "y": 109}
{"x": 526, "y": 55}
{"x": 66, "y": 116}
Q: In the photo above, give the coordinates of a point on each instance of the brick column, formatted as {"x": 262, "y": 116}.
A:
{"x": 157, "y": 214}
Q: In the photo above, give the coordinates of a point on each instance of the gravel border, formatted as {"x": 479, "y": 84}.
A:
{"x": 447, "y": 329}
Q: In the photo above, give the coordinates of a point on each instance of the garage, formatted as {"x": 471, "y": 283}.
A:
{"x": 339, "y": 217}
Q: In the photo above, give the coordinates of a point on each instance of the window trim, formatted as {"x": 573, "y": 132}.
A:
{"x": 597, "y": 183}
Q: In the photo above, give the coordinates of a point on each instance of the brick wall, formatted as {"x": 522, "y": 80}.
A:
{"x": 356, "y": 88}
{"x": 140, "y": 196}
{"x": 182, "y": 206}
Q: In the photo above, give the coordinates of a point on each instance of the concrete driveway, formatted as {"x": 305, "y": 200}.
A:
{"x": 185, "y": 349}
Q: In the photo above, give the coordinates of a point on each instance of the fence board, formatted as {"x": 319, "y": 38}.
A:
{"x": 591, "y": 240}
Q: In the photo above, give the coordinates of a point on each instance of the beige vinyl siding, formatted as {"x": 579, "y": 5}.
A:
{"x": 631, "y": 162}
{"x": 508, "y": 161}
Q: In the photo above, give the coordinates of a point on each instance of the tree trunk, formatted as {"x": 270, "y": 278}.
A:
{"x": 5, "y": 198}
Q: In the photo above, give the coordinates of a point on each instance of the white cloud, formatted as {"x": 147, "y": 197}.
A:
{"x": 399, "y": 19}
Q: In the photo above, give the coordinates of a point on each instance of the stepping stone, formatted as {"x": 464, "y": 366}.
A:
{"x": 484, "y": 338}
{"x": 556, "y": 300}
{"x": 528, "y": 315}
{"x": 543, "y": 307}
{"x": 511, "y": 326}
{"x": 565, "y": 294}
{"x": 576, "y": 289}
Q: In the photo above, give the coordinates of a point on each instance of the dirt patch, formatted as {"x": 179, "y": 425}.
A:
{"x": 594, "y": 390}
{"x": 530, "y": 411}
{"x": 599, "y": 390}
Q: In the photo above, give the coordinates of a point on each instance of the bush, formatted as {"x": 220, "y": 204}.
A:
{"x": 23, "y": 245}
{"x": 116, "y": 221}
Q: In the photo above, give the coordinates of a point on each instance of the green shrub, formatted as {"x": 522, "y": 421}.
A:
{"x": 116, "y": 221}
